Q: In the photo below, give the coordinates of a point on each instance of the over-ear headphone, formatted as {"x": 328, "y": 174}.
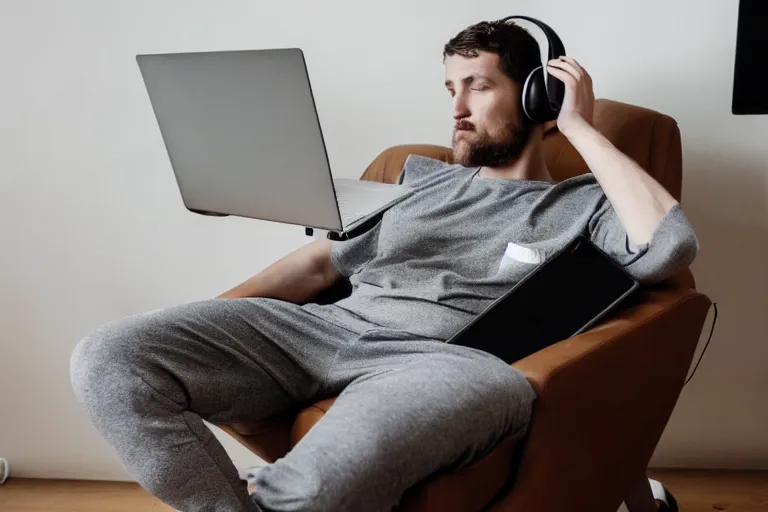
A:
{"x": 542, "y": 98}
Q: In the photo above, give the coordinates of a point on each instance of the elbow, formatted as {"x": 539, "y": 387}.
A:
{"x": 329, "y": 275}
{"x": 684, "y": 251}
{"x": 689, "y": 249}
{"x": 326, "y": 273}
{"x": 672, "y": 249}
{"x": 665, "y": 259}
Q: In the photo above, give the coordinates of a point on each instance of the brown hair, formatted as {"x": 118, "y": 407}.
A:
{"x": 518, "y": 51}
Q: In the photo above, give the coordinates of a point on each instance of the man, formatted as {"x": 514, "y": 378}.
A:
{"x": 408, "y": 404}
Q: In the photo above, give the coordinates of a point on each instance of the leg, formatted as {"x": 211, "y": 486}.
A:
{"x": 146, "y": 382}
{"x": 394, "y": 425}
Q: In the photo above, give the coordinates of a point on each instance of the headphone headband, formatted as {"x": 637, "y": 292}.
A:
{"x": 556, "y": 47}
{"x": 555, "y": 88}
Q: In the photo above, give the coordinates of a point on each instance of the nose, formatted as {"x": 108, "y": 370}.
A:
{"x": 460, "y": 107}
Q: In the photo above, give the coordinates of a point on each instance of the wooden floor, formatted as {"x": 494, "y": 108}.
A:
{"x": 705, "y": 491}
{"x": 696, "y": 491}
{"x": 22, "y": 495}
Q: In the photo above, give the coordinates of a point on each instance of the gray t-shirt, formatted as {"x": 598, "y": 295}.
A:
{"x": 437, "y": 259}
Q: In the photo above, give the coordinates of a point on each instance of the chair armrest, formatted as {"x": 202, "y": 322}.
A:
{"x": 603, "y": 400}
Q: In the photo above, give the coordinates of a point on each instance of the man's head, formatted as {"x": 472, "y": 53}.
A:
{"x": 486, "y": 65}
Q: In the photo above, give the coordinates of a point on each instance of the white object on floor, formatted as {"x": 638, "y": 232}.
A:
{"x": 5, "y": 470}
{"x": 658, "y": 491}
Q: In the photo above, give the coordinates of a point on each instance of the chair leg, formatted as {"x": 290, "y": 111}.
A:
{"x": 640, "y": 497}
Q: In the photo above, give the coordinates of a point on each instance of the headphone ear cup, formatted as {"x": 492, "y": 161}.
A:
{"x": 535, "y": 100}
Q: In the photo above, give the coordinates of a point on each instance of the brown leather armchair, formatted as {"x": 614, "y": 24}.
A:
{"x": 604, "y": 397}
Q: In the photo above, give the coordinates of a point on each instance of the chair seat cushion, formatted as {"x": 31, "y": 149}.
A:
{"x": 469, "y": 489}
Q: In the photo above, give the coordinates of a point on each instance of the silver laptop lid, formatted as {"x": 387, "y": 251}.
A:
{"x": 242, "y": 134}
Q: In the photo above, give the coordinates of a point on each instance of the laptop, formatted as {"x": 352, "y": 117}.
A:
{"x": 562, "y": 297}
{"x": 243, "y": 136}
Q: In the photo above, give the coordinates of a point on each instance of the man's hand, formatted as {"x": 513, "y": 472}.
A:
{"x": 579, "y": 102}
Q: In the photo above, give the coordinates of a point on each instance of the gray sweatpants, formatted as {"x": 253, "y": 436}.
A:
{"x": 407, "y": 406}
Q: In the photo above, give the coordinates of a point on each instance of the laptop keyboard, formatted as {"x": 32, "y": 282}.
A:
{"x": 352, "y": 210}
{"x": 348, "y": 215}
{"x": 358, "y": 199}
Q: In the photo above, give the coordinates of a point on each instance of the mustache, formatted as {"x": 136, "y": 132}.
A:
{"x": 465, "y": 125}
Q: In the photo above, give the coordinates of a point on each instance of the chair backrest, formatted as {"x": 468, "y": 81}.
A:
{"x": 648, "y": 137}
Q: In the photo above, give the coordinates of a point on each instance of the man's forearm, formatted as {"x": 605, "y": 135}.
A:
{"x": 639, "y": 200}
{"x": 297, "y": 278}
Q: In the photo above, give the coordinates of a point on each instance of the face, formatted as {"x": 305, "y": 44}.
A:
{"x": 489, "y": 129}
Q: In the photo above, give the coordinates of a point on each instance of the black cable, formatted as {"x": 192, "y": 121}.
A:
{"x": 714, "y": 321}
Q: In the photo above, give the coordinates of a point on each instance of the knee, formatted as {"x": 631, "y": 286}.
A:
{"x": 520, "y": 402}
{"x": 508, "y": 386}
{"x": 495, "y": 397}
{"x": 513, "y": 396}
{"x": 99, "y": 358}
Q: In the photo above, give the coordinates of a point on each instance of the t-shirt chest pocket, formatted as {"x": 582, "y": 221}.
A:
{"x": 518, "y": 260}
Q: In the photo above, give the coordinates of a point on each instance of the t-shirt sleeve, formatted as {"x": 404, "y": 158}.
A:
{"x": 672, "y": 248}
{"x": 419, "y": 171}
{"x": 350, "y": 256}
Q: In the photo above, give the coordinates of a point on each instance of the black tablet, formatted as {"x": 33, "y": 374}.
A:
{"x": 561, "y": 297}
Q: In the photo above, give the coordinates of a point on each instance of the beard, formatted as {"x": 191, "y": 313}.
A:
{"x": 485, "y": 150}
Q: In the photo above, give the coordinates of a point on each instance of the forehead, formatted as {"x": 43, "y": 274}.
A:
{"x": 485, "y": 64}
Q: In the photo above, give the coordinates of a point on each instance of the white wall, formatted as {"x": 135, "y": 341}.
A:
{"x": 92, "y": 228}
